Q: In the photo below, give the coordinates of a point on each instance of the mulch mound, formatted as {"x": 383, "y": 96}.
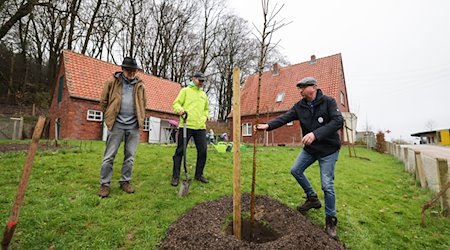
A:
{"x": 204, "y": 227}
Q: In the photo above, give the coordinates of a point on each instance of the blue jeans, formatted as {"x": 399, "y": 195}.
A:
{"x": 115, "y": 138}
{"x": 326, "y": 164}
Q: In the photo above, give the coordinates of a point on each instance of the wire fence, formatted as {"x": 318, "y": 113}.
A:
{"x": 17, "y": 128}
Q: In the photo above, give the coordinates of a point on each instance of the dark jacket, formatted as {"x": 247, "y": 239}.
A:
{"x": 324, "y": 122}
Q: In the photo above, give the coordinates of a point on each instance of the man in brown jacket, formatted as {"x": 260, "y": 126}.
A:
{"x": 123, "y": 102}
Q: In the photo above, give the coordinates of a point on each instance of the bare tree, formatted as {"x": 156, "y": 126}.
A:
{"x": 430, "y": 125}
{"x": 211, "y": 18}
{"x": 22, "y": 11}
{"x": 236, "y": 48}
{"x": 270, "y": 25}
{"x": 168, "y": 39}
{"x": 54, "y": 23}
{"x": 73, "y": 13}
{"x": 91, "y": 26}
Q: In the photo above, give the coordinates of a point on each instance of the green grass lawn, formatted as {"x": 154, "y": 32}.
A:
{"x": 378, "y": 204}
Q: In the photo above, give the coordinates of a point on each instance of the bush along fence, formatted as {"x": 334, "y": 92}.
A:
{"x": 429, "y": 172}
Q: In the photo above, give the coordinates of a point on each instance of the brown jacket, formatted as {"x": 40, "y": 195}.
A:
{"x": 112, "y": 98}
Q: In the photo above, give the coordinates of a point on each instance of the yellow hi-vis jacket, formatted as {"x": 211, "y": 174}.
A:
{"x": 194, "y": 101}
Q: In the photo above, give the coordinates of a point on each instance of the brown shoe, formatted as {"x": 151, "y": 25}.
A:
{"x": 311, "y": 202}
{"x": 330, "y": 226}
{"x": 104, "y": 191}
{"x": 126, "y": 187}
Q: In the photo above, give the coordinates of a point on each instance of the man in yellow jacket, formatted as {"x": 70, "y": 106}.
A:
{"x": 193, "y": 101}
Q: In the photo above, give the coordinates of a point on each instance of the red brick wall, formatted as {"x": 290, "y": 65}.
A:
{"x": 289, "y": 135}
{"x": 342, "y": 88}
{"x": 72, "y": 113}
{"x": 74, "y": 124}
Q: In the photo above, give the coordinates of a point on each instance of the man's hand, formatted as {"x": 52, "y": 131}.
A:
{"x": 308, "y": 138}
{"x": 181, "y": 113}
{"x": 261, "y": 126}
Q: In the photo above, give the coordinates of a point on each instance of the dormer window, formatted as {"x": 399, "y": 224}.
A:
{"x": 280, "y": 97}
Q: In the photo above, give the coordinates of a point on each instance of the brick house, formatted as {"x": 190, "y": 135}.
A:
{"x": 279, "y": 93}
{"x": 75, "y": 111}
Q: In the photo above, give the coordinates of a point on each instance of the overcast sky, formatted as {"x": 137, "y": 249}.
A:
{"x": 396, "y": 55}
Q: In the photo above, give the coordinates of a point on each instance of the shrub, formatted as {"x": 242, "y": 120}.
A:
{"x": 381, "y": 143}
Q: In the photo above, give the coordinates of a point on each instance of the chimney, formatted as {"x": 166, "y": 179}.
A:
{"x": 313, "y": 59}
{"x": 275, "y": 69}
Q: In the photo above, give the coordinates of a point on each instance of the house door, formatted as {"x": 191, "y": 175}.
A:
{"x": 155, "y": 130}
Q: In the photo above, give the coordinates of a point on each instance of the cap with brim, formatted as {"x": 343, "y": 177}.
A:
{"x": 129, "y": 63}
{"x": 200, "y": 76}
{"x": 307, "y": 81}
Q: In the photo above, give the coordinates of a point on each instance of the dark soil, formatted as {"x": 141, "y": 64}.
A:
{"x": 11, "y": 147}
{"x": 204, "y": 227}
{"x": 257, "y": 232}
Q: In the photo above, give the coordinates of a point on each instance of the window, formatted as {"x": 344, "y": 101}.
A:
{"x": 290, "y": 123}
{"x": 247, "y": 129}
{"x": 280, "y": 97}
{"x": 147, "y": 124}
{"x": 342, "y": 98}
{"x": 60, "y": 88}
{"x": 94, "y": 115}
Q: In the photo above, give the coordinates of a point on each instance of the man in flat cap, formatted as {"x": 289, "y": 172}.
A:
{"x": 193, "y": 102}
{"x": 123, "y": 102}
{"x": 320, "y": 121}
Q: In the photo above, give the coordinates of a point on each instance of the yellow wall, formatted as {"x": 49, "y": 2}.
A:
{"x": 445, "y": 137}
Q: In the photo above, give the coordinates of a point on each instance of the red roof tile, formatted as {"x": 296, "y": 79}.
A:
{"x": 85, "y": 77}
{"x": 328, "y": 72}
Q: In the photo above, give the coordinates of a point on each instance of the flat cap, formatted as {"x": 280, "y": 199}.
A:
{"x": 200, "y": 76}
{"x": 307, "y": 81}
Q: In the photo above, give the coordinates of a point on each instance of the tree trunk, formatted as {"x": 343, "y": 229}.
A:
{"x": 74, "y": 7}
{"x": 91, "y": 26}
{"x": 21, "y": 12}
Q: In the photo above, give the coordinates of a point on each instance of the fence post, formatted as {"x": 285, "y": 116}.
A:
{"x": 443, "y": 179}
{"x": 21, "y": 128}
{"x": 419, "y": 170}
{"x": 17, "y": 131}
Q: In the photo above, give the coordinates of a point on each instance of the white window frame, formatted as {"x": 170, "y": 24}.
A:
{"x": 146, "y": 124}
{"x": 290, "y": 123}
{"x": 246, "y": 127}
{"x": 342, "y": 97}
{"x": 280, "y": 97}
{"x": 94, "y": 115}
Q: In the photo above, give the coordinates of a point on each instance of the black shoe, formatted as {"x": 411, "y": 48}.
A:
{"x": 311, "y": 202}
{"x": 330, "y": 227}
{"x": 202, "y": 179}
{"x": 175, "y": 181}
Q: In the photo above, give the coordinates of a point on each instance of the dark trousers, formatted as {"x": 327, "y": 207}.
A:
{"x": 199, "y": 136}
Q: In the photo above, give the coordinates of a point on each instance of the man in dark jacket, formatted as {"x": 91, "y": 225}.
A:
{"x": 320, "y": 120}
